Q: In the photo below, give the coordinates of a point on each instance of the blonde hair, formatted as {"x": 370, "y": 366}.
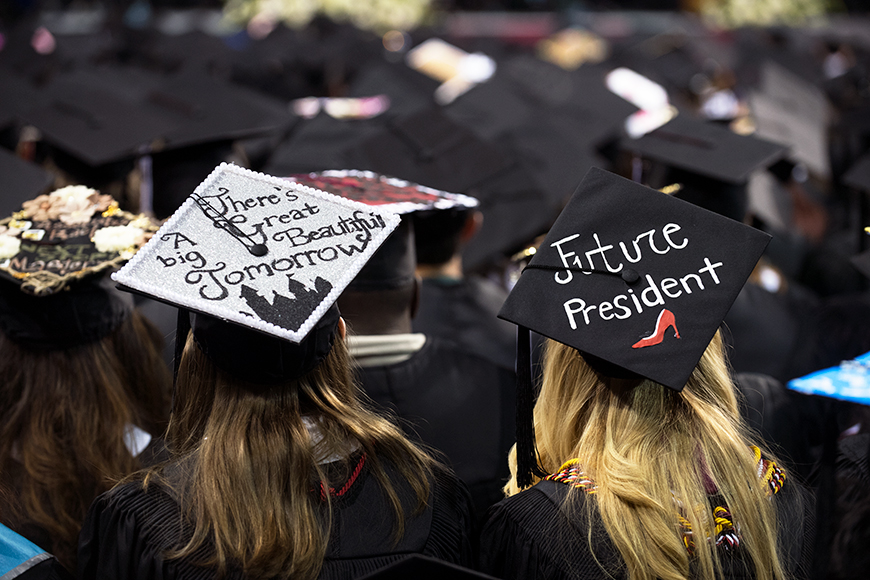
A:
{"x": 250, "y": 465}
{"x": 647, "y": 447}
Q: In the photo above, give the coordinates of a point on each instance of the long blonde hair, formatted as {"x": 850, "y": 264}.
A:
{"x": 250, "y": 465}
{"x": 647, "y": 447}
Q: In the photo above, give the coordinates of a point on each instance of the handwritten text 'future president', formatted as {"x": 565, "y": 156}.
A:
{"x": 619, "y": 307}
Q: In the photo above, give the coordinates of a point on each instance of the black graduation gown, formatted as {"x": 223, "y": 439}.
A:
{"x": 128, "y": 530}
{"x": 529, "y": 537}
{"x": 457, "y": 402}
{"x": 465, "y": 312}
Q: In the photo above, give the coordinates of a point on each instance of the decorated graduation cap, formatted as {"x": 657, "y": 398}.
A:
{"x": 261, "y": 261}
{"x": 637, "y": 281}
{"x": 54, "y": 253}
{"x": 394, "y": 264}
{"x": 850, "y": 381}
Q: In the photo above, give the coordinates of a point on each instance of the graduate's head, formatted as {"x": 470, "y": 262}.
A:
{"x": 80, "y": 366}
{"x": 635, "y": 384}
{"x": 264, "y": 394}
{"x": 382, "y": 298}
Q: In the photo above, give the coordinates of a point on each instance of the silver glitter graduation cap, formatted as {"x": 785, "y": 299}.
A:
{"x": 258, "y": 251}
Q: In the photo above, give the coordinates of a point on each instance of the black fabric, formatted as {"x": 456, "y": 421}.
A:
{"x": 706, "y": 149}
{"x": 85, "y": 312}
{"x": 45, "y": 570}
{"x": 456, "y": 402}
{"x": 20, "y": 181}
{"x": 772, "y": 333}
{"x": 128, "y": 529}
{"x": 529, "y": 536}
{"x": 259, "y": 358}
{"x": 392, "y": 265}
{"x": 464, "y": 311}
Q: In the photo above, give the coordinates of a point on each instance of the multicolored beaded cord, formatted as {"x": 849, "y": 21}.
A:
{"x": 571, "y": 474}
{"x": 727, "y": 534}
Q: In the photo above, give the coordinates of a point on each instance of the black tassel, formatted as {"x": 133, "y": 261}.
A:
{"x": 527, "y": 455}
{"x": 182, "y": 329}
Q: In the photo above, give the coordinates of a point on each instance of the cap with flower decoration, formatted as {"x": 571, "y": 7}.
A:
{"x": 636, "y": 280}
{"x": 261, "y": 261}
{"x": 53, "y": 254}
{"x": 67, "y": 235}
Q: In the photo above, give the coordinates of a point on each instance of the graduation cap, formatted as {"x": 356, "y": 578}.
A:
{"x": 321, "y": 143}
{"x": 706, "y": 149}
{"x": 712, "y": 163}
{"x": 424, "y": 568}
{"x": 53, "y": 254}
{"x": 427, "y": 147}
{"x": 850, "y": 381}
{"x": 261, "y": 261}
{"x": 370, "y": 188}
{"x": 634, "y": 279}
{"x": 115, "y": 114}
{"x": 20, "y": 180}
{"x": 394, "y": 264}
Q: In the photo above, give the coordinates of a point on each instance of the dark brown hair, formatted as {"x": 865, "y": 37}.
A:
{"x": 63, "y": 416}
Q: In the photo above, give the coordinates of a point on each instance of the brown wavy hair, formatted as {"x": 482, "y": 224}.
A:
{"x": 647, "y": 446}
{"x": 63, "y": 416}
{"x": 250, "y": 464}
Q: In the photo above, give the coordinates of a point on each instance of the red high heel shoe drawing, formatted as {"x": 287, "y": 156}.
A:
{"x": 665, "y": 321}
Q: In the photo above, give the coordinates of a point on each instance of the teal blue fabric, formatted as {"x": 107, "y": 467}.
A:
{"x": 17, "y": 554}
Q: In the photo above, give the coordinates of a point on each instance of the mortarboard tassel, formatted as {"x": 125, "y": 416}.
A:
{"x": 182, "y": 329}
{"x": 527, "y": 455}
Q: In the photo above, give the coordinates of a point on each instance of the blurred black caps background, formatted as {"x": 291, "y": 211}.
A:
{"x": 20, "y": 181}
{"x": 705, "y": 149}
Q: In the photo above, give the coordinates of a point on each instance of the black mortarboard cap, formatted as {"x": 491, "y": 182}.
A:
{"x": 91, "y": 122}
{"x": 515, "y": 211}
{"x": 578, "y": 101}
{"x": 54, "y": 253}
{"x": 16, "y": 97}
{"x": 422, "y": 567}
{"x": 636, "y": 280}
{"x": 706, "y": 149}
{"x": 320, "y": 143}
{"x": 427, "y": 147}
{"x": 407, "y": 89}
{"x": 20, "y": 180}
{"x": 261, "y": 261}
{"x": 113, "y": 114}
{"x": 493, "y": 108}
{"x": 394, "y": 264}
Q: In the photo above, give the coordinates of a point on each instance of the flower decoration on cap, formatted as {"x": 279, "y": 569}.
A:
{"x": 67, "y": 235}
